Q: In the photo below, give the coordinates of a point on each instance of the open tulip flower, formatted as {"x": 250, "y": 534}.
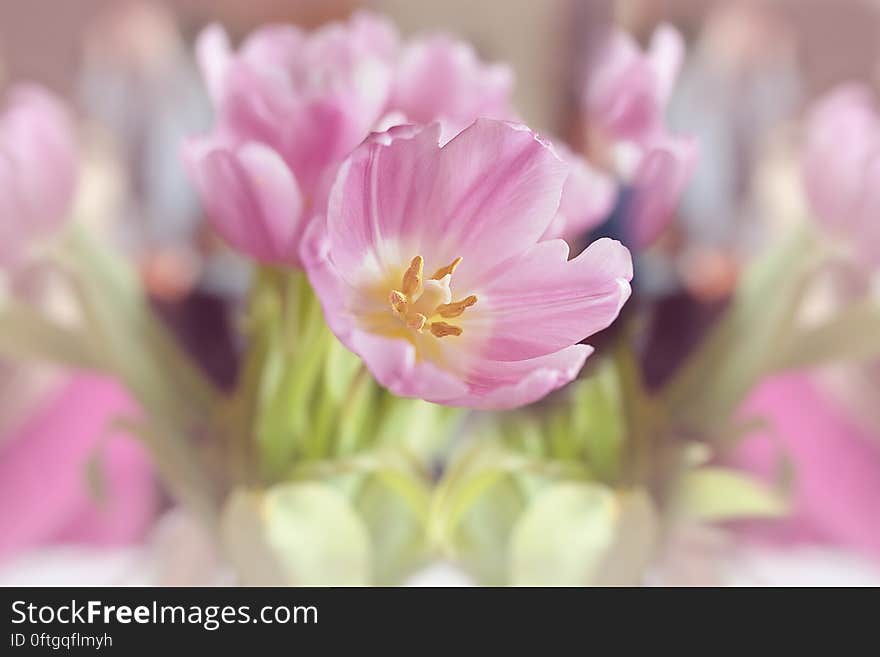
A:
{"x": 430, "y": 267}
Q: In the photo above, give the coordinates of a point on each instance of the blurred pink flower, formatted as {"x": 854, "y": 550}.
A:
{"x": 625, "y": 90}
{"x": 439, "y": 78}
{"x": 38, "y": 168}
{"x": 841, "y": 166}
{"x": 252, "y": 197}
{"x": 624, "y": 98}
{"x": 657, "y": 185}
{"x": 44, "y": 495}
{"x": 836, "y": 467}
{"x": 290, "y": 107}
{"x": 588, "y": 197}
{"x": 430, "y": 267}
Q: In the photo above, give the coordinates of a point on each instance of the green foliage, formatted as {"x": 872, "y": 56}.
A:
{"x": 743, "y": 347}
{"x": 563, "y": 535}
{"x": 717, "y": 494}
{"x": 534, "y": 498}
{"x": 297, "y": 533}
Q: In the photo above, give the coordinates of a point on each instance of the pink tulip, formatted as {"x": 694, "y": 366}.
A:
{"x": 625, "y": 93}
{"x": 38, "y": 168}
{"x": 588, "y": 197}
{"x": 252, "y": 197}
{"x": 841, "y": 167}
{"x": 430, "y": 267}
{"x": 441, "y": 79}
{"x": 44, "y": 494}
{"x": 835, "y": 467}
{"x": 659, "y": 181}
{"x": 286, "y": 100}
{"x": 625, "y": 90}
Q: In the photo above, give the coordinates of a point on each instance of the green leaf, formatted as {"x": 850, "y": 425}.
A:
{"x": 563, "y": 537}
{"x": 465, "y": 494}
{"x": 717, "y": 494}
{"x": 397, "y": 529}
{"x": 417, "y": 426}
{"x": 357, "y": 420}
{"x": 244, "y": 539}
{"x": 300, "y": 534}
{"x": 317, "y": 537}
{"x": 851, "y": 335}
{"x": 341, "y": 367}
{"x": 597, "y": 420}
{"x": 480, "y": 540}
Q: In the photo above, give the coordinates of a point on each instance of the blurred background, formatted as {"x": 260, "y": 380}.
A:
{"x": 752, "y": 68}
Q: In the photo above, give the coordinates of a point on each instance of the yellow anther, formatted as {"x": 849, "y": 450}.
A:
{"x": 415, "y": 301}
{"x": 442, "y": 329}
{"x": 398, "y": 302}
{"x": 416, "y": 321}
{"x": 449, "y": 310}
{"x": 448, "y": 269}
{"x": 412, "y": 277}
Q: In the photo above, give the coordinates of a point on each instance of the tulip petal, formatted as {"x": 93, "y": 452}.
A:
{"x": 588, "y": 198}
{"x": 38, "y": 140}
{"x": 625, "y": 90}
{"x": 658, "y": 184}
{"x": 38, "y": 168}
{"x": 44, "y": 495}
{"x": 836, "y": 465}
{"x": 840, "y": 166}
{"x": 440, "y": 78}
{"x": 666, "y": 54}
{"x": 497, "y": 385}
{"x": 543, "y": 302}
{"x": 370, "y": 214}
{"x": 252, "y": 198}
{"x": 489, "y": 193}
{"x": 213, "y": 54}
{"x": 393, "y": 363}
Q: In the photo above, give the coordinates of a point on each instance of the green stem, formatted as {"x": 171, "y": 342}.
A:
{"x": 177, "y": 399}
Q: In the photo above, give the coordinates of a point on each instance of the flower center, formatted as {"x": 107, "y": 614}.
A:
{"x": 423, "y": 304}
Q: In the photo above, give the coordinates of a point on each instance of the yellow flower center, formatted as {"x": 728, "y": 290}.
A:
{"x": 423, "y": 305}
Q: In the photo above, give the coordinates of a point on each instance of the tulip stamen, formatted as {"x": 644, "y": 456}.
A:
{"x": 417, "y": 301}
{"x": 447, "y": 270}
{"x": 442, "y": 329}
{"x": 412, "y": 277}
{"x": 455, "y": 309}
{"x": 416, "y": 321}
{"x": 398, "y": 302}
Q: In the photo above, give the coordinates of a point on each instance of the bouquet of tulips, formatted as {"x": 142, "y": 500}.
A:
{"x": 443, "y": 344}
